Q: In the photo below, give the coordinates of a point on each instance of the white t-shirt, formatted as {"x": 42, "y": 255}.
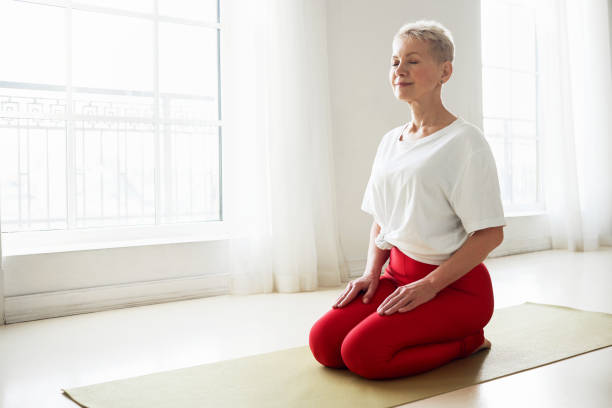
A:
{"x": 429, "y": 194}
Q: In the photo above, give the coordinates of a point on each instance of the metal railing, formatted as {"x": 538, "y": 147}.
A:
{"x": 113, "y": 171}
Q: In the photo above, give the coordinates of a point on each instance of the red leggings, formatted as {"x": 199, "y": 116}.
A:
{"x": 447, "y": 327}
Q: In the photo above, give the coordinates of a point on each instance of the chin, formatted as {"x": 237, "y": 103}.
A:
{"x": 403, "y": 98}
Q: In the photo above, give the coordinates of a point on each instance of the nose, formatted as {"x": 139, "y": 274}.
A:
{"x": 400, "y": 69}
{"x": 398, "y": 76}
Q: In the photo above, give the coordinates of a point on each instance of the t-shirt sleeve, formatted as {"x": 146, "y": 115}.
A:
{"x": 476, "y": 196}
{"x": 367, "y": 203}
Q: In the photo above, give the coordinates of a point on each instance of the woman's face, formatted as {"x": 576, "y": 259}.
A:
{"x": 413, "y": 73}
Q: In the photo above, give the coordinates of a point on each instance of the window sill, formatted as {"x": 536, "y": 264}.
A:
{"x": 524, "y": 213}
{"x": 52, "y": 241}
{"x": 55, "y": 241}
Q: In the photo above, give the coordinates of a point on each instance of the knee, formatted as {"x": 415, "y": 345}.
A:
{"x": 324, "y": 345}
{"x": 361, "y": 358}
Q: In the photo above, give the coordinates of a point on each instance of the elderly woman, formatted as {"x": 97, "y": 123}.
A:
{"x": 435, "y": 199}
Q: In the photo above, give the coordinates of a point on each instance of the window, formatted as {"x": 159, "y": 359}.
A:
{"x": 109, "y": 114}
{"x": 509, "y": 58}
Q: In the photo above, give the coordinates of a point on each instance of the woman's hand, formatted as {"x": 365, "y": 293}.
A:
{"x": 407, "y": 297}
{"x": 368, "y": 282}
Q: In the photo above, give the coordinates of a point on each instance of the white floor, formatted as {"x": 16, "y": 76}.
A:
{"x": 39, "y": 358}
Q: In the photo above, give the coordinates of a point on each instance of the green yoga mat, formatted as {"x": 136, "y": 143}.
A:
{"x": 523, "y": 337}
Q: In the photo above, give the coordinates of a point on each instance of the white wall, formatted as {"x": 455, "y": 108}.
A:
{"x": 60, "y": 271}
{"x": 610, "y": 23}
{"x": 363, "y": 105}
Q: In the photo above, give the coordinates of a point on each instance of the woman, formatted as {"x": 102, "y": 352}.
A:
{"x": 435, "y": 199}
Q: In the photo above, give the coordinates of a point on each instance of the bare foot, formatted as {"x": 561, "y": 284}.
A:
{"x": 485, "y": 345}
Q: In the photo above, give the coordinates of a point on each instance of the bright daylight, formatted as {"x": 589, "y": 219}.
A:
{"x": 298, "y": 203}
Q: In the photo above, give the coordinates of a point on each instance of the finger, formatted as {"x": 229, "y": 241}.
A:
{"x": 386, "y": 303}
{"x": 369, "y": 293}
{"x": 386, "y": 309}
{"x": 411, "y": 305}
{"x": 341, "y": 297}
{"x": 408, "y": 307}
{"x": 367, "y": 297}
{"x": 348, "y": 298}
{"x": 397, "y": 301}
{"x": 398, "y": 305}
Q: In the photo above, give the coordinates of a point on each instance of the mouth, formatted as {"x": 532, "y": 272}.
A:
{"x": 404, "y": 84}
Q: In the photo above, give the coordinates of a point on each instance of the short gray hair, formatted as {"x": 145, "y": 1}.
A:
{"x": 439, "y": 37}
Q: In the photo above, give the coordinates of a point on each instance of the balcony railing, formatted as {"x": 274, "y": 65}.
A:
{"x": 98, "y": 163}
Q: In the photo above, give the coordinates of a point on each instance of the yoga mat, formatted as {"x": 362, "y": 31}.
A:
{"x": 523, "y": 336}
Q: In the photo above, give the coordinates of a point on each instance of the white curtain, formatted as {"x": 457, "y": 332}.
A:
{"x": 2, "y": 321}
{"x": 279, "y": 184}
{"x": 575, "y": 103}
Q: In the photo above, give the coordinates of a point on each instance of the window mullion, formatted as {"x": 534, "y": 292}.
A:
{"x": 156, "y": 113}
{"x": 539, "y": 180}
{"x": 70, "y": 137}
{"x": 508, "y": 159}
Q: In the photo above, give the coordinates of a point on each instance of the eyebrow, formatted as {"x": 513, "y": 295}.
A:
{"x": 413, "y": 52}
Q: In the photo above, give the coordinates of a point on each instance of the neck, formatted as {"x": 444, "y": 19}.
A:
{"x": 429, "y": 115}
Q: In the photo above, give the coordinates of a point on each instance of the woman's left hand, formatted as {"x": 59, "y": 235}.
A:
{"x": 407, "y": 297}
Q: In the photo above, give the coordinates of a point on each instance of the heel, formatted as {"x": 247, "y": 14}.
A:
{"x": 471, "y": 343}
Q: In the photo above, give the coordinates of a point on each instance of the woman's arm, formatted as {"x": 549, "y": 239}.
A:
{"x": 376, "y": 256}
{"x": 474, "y": 250}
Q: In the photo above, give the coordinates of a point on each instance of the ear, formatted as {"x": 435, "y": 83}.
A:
{"x": 447, "y": 70}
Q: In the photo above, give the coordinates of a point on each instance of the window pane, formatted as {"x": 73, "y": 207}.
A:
{"x": 523, "y": 95}
{"x": 113, "y": 104}
{"x": 497, "y": 146}
{"x": 496, "y": 92}
{"x": 509, "y": 96}
{"x": 192, "y": 156}
{"x": 33, "y": 174}
{"x": 114, "y": 173}
{"x": 495, "y": 34}
{"x": 144, "y": 6}
{"x": 523, "y": 129}
{"x": 112, "y": 72}
{"x": 32, "y": 37}
{"x": 493, "y": 128}
{"x": 117, "y": 58}
{"x": 205, "y": 10}
{"x": 185, "y": 68}
{"x": 174, "y": 106}
{"x": 188, "y": 77}
{"x": 523, "y": 39}
{"x": 524, "y": 171}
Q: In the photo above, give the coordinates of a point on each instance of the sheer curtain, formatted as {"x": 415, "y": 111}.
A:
{"x": 575, "y": 107}
{"x": 278, "y": 180}
{"x": 278, "y": 189}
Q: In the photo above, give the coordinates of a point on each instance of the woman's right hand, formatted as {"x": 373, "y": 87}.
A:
{"x": 368, "y": 282}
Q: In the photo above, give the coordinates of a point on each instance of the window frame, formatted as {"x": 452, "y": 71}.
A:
{"x": 71, "y": 238}
{"x": 510, "y": 207}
